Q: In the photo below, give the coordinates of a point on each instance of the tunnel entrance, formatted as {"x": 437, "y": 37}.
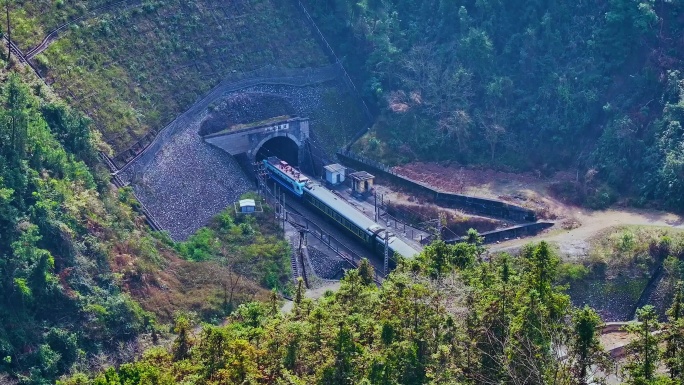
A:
{"x": 282, "y": 147}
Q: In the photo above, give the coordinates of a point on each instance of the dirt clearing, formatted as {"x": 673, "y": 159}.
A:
{"x": 574, "y": 225}
{"x": 524, "y": 189}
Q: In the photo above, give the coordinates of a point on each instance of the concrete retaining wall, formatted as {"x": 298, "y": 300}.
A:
{"x": 515, "y": 232}
{"x": 524, "y": 230}
{"x": 482, "y": 206}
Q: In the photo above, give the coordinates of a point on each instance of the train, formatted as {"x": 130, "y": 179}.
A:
{"x": 337, "y": 209}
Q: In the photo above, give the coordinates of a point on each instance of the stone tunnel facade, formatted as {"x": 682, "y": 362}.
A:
{"x": 248, "y": 139}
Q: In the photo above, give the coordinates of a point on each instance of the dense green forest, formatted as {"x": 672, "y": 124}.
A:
{"x": 593, "y": 87}
{"x": 89, "y": 295}
{"x": 59, "y": 301}
{"x": 83, "y": 282}
{"x": 447, "y": 317}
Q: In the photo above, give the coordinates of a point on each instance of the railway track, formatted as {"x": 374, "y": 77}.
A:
{"x": 298, "y": 216}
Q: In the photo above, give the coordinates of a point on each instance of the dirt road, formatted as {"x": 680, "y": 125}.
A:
{"x": 574, "y": 243}
{"x": 574, "y": 226}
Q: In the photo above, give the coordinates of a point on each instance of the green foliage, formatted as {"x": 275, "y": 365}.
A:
{"x": 366, "y": 271}
{"x": 183, "y": 341}
{"x": 572, "y": 272}
{"x": 539, "y": 86}
{"x": 403, "y": 332}
{"x": 585, "y": 350}
{"x": 440, "y": 257}
{"x": 674, "y": 336}
{"x": 645, "y": 353}
{"x": 636, "y": 250}
{"x": 71, "y": 129}
{"x": 57, "y": 296}
{"x": 249, "y": 244}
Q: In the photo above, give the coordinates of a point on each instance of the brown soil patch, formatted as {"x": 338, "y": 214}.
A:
{"x": 611, "y": 341}
{"x": 575, "y": 225}
{"x": 524, "y": 189}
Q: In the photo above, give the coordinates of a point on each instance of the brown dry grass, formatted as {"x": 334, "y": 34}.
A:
{"x": 200, "y": 287}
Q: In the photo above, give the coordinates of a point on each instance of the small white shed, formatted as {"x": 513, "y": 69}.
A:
{"x": 247, "y": 205}
{"x": 334, "y": 173}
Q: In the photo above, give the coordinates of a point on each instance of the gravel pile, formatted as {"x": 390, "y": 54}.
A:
{"x": 327, "y": 266}
{"x": 304, "y": 100}
{"x": 187, "y": 183}
{"x": 184, "y": 182}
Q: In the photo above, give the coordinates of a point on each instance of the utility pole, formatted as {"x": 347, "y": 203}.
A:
{"x": 302, "y": 240}
{"x": 386, "y": 264}
{"x": 440, "y": 222}
{"x": 375, "y": 194}
{"x": 9, "y": 33}
{"x": 284, "y": 212}
{"x": 276, "y": 203}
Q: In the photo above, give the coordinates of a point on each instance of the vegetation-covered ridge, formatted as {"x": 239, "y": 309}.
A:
{"x": 59, "y": 301}
{"x": 592, "y": 86}
{"x": 134, "y": 69}
{"x": 447, "y": 317}
{"x": 251, "y": 245}
{"x": 83, "y": 283}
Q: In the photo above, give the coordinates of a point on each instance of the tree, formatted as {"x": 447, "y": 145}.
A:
{"x": 439, "y": 256}
{"x": 299, "y": 294}
{"x": 183, "y": 341}
{"x": 18, "y": 117}
{"x": 585, "y": 350}
{"x": 674, "y": 336}
{"x": 341, "y": 372}
{"x": 474, "y": 237}
{"x": 643, "y": 351}
{"x": 366, "y": 272}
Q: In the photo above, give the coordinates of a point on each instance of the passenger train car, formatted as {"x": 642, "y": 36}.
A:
{"x": 336, "y": 209}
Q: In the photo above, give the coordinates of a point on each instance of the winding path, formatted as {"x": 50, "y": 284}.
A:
{"x": 53, "y": 35}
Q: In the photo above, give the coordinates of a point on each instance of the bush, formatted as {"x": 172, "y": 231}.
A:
{"x": 568, "y": 272}
{"x": 601, "y": 198}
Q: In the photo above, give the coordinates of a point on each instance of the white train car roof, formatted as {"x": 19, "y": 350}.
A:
{"x": 400, "y": 247}
{"x": 355, "y": 216}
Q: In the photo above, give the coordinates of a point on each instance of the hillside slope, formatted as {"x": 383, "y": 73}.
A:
{"x": 591, "y": 87}
{"x": 136, "y": 66}
{"x": 441, "y": 319}
{"x": 81, "y": 277}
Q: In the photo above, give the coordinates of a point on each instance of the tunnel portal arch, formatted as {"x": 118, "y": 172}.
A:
{"x": 283, "y": 145}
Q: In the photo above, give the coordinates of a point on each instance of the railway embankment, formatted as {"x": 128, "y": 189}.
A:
{"x": 183, "y": 181}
